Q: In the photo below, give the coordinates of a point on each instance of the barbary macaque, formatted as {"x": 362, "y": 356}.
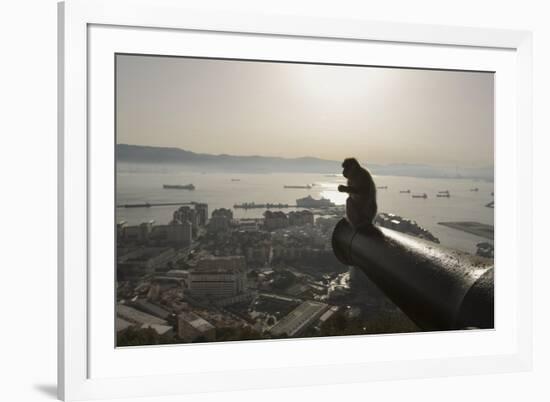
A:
{"x": 361, "y": 204}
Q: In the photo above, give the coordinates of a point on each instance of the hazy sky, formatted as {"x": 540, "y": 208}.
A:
{"x": 379, "y": 115}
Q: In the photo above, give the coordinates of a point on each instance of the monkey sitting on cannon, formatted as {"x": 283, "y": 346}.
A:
{"x": 361, "y": 204}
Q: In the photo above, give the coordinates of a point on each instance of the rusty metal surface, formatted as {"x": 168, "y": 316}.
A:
{"x": 438, "y": 288}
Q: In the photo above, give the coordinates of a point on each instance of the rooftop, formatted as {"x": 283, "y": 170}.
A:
{"x": 147, "y": 253}
{"x": 197, "y": 322}
{"x": 151, "y": 308}
{"x": 299, "y": 318}
{"x": 121, "y": 324}
{"x": 132, "y": 315}
{"x": 228, "y": 264}
{"x": 160, "y": 329}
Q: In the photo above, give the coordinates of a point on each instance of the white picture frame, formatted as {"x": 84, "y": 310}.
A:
{"x": 87, "y": 26}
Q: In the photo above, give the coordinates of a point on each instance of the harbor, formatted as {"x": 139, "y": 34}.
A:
{"x": 141, "y": 198}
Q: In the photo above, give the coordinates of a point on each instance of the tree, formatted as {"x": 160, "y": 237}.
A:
{"x": 135, "y": 336}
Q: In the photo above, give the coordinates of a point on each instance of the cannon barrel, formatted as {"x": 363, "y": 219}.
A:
{"x": 436, "y": 287}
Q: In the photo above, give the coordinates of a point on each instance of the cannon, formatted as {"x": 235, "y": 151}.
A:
{"x": 436, "y": 287}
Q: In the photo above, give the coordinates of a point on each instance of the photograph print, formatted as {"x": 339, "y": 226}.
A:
{"x": 264, "y": 200}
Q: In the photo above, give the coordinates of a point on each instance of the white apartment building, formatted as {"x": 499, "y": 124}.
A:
{"x": 217, "y": 277}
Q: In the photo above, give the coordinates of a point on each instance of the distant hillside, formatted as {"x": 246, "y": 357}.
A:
{"x": 414, "y": 170}
{"x": 265, "y": 164}
{"x": 230, "y": 163}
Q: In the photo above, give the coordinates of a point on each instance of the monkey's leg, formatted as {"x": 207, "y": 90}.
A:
{"x": 353, "y": 213}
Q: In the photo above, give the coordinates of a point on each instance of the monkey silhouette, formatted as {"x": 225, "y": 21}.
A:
{"x": 361, "y": 206}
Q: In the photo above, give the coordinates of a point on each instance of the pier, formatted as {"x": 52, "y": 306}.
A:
{"x": 149, "y": 205}
{"x": 252, "y": 205}
{"x": 475, "y": 228}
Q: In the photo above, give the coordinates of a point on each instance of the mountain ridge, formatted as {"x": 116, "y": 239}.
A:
{"x": 272, "y": 164}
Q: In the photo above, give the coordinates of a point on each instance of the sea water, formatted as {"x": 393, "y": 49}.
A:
{"x": 142, "y": 184}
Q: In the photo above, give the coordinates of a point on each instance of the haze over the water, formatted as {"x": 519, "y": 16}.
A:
{"x": 379, "y": 115}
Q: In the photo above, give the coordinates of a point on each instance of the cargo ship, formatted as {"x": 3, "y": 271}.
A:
{"x": 310, "y": 202}
{"x": 179, "y": 186}
{"x": 307, "y": 186}
{"x": 405, "y": 191}
{"x": 420, "y": 195}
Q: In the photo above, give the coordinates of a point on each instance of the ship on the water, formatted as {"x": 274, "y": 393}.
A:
{"x": 179, "y": 186}
{"x": 444, "y": 193}
{"x": 405, "y": 191}
{"x": 307, "y": 186}
{"x": 382, "y": 187}
{"x": 310, "y": 202}
{"x": 424, "y": 195}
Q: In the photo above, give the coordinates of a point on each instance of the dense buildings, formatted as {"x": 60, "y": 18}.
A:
{"x": 221, "y": 220}
{"x": 188, "y": 216}
{"x": 186, "y": 223}
{"x": 217, "y": 278}
{"x": 135, "y": 233}
{"x": 202, "y": 213}
{"x": 223, "y": 212}
{"x": 248, "y": 225}
{"x": 176, "y": 234}
{"x": 219, "y": 224}
{"x": 275, "y": 220}
{"x": 300, "y": 218}
{"x": 142, "y": 260}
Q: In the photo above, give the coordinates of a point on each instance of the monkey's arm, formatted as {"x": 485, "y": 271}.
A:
{"x": 348, "y": 189}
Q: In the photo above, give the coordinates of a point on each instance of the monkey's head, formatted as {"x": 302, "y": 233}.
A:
{"x": 350, "y": 166}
